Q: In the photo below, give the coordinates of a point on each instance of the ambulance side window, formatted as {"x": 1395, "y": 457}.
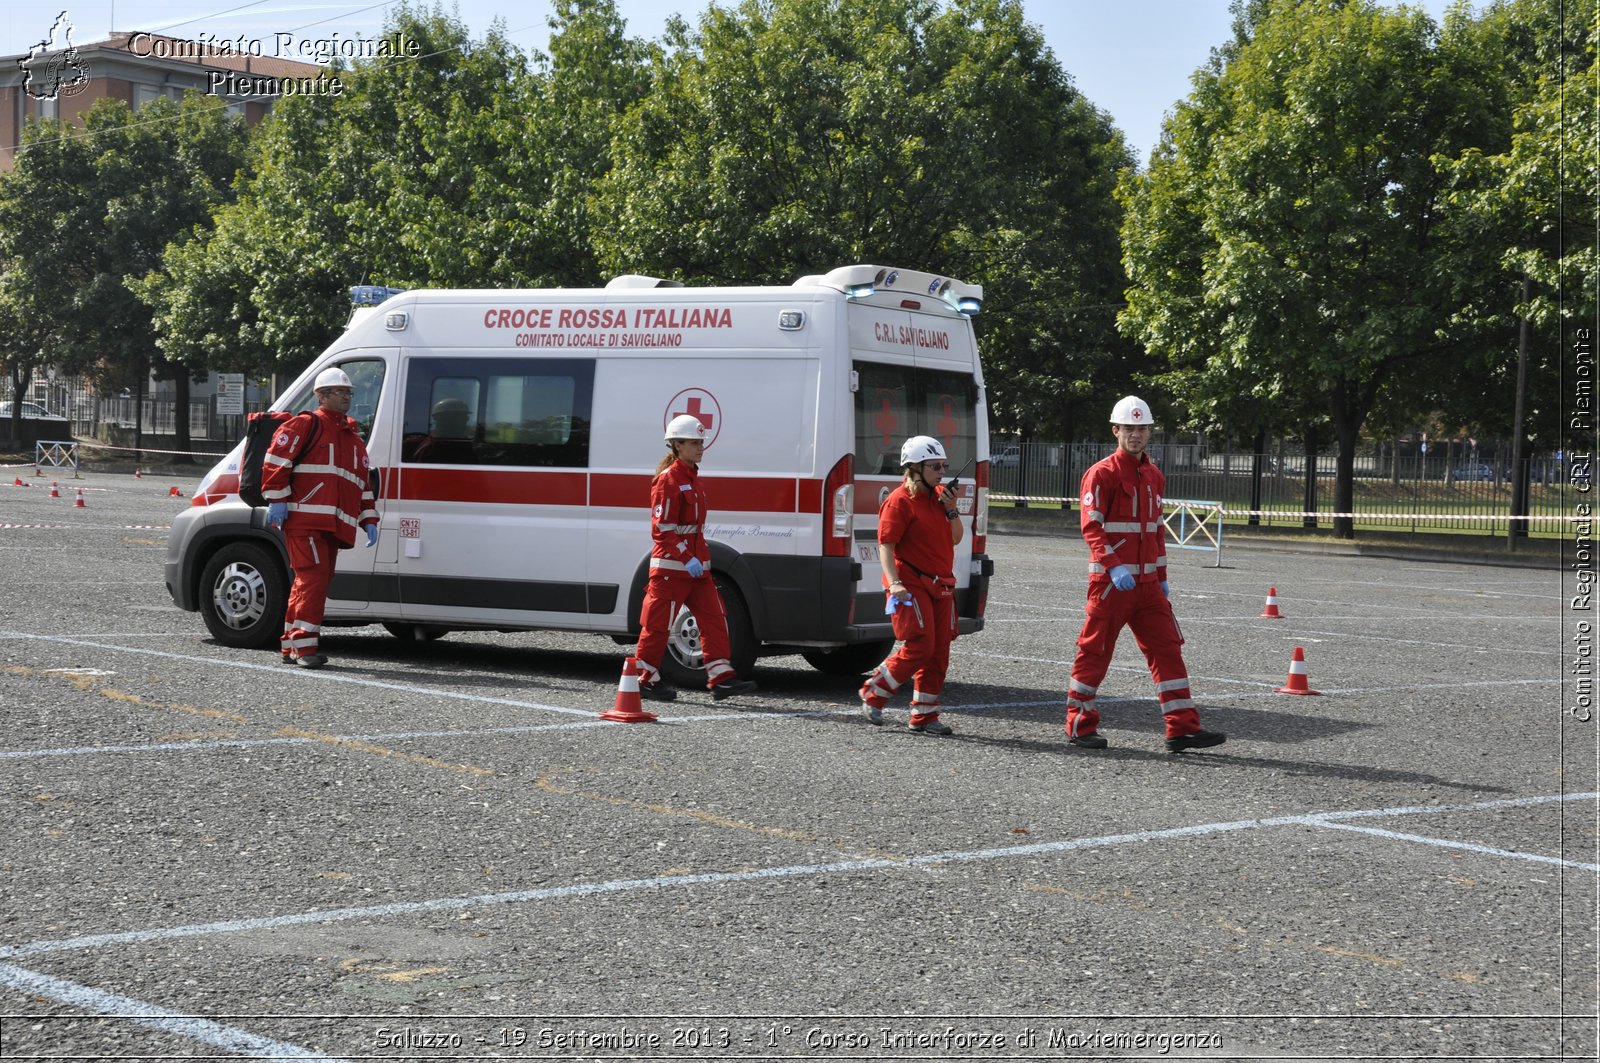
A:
{"x": 498, "y": 411}
{"x": 895, "y": 402}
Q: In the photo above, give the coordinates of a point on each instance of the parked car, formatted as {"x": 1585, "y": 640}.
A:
{"x": 29, "y": 409}
{"x": 1472, "y": 472}
{"x": 1007, "y": 457}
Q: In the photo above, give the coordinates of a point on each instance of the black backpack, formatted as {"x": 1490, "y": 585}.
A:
{"x": 258, "y": 434}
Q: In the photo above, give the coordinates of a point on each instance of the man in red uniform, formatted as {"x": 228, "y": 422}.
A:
{"x": 918, "y": 527}
{"x": 318, "y": 490}
{"x": 1121, "y": 520}
{"x": 680, "y": 570}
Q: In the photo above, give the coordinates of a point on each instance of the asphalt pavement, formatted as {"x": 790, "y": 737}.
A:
{"x": 430, "y": 851}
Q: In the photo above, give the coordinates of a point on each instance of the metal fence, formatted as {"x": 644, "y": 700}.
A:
{"x": 111, "y": 418}
{"x": 1408, "y": 493}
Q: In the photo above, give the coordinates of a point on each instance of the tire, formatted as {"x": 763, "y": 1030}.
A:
{"x": 849, "y": 660}
{"x": 243, "y": 592}
{"x": 683, "y": 663}
{"x": 415, "y": 632}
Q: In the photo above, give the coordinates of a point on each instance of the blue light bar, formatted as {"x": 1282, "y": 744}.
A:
{"x": 968, "y": 305}
{"x": 371, "y": 294}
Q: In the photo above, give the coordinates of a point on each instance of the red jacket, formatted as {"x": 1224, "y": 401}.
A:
{"x": 677, "y": 518}
{"x": 919, "y": 530}
{"x": 331, "y": 489}
{"x": 1121, "y": 517}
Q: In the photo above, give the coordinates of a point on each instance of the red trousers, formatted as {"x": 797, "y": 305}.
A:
{"x": 925, "y": 629}
{"x": 312, "y": 555}
{"x": 664, "y": 594}
{"x": 1146, "y": 610}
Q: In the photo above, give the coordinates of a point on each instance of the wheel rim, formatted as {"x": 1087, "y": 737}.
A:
{"x": 240, "y": 596}
{"x": 683, "y": 639}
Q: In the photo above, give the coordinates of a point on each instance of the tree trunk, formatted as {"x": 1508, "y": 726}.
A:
{"x": 180, "y": 419}
{"x": 1258, "y": 462}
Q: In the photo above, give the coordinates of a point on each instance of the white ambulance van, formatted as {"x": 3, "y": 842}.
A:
{"x": 514, "y": 436}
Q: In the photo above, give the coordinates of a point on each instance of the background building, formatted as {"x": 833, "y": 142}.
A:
{"x": 63, "y": 80}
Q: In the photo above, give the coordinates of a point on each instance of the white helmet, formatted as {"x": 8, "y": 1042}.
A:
{"x": 1131, "y": 410}
{"x": 919, "y": 449}
{"x": 685, "y": 426}
{"x": 332, "y": 377}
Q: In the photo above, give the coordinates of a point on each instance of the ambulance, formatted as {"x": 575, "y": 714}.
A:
{"x": 514, "y": 436}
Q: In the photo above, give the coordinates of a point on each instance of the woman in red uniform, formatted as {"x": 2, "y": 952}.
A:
{"x": 918, "y": 528}
{"x": 680, "y": 569}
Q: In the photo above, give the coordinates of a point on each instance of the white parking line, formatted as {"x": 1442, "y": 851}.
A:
{"x": 1446, "y": 843}
{"x": 286, "y": 672}
{"x": 1331, "y": 819}
{"x": 98, "y": 1002}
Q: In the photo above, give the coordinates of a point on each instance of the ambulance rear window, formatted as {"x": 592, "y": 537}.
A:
{"x": 895, "y": 402}
{"x": 498, "y": 411}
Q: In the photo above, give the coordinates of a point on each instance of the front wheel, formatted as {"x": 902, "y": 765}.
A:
{"x": 243, "y": 593}
{"x": 684, "y": 662}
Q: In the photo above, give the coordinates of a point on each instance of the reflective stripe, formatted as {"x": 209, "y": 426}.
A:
{"x": 1124, "y": 526}
{"x": 1096, "y": 516}
{"x": 919, "y": 698}
{"x": 1173, "y": 684}
{"x": 331, "y": 470}
{"x": 681, "y": 529}
{"x": 1151, "y": 566}
{"x": 717, "y": 669}
{"x": 1081, "y": 688}
{"x": 1177, "y": 703}
{"x": 277, "y": 495}
{"x": 1154, "y": 525}
{"x": 273, "y": 459}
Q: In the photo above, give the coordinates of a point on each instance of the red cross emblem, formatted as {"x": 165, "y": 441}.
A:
{"x": 699, "y": 404}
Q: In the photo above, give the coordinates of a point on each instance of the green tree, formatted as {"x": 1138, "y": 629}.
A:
{"x": 87, "y": 212}
{"x": 1527, "y": 215}
{"x": 453, "y": 167}
{"x": 785, "y": 137}
{"x": 1283, "y": 248}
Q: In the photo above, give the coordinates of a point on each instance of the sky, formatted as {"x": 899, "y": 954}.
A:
{"x": 1131, "y": 58}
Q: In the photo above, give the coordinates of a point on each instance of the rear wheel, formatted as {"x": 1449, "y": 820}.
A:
{"x": 243, "y": 593}
{"x": 684, "y": 662}
{"x": 849, "y": 660}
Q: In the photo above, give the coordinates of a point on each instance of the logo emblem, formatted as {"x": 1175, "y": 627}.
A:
{"x": 282, "y": 440}
{"x": 53, "y": 68}
{"x": 699, "y": 404}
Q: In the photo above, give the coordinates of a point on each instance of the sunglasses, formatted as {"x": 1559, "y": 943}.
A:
{"x": 938, "y": 466}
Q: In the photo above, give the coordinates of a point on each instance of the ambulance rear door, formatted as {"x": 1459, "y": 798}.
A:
{"x": 914, "y": 375}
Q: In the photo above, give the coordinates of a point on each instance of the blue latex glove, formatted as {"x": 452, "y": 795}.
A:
{"x": 372, "y": 536}
{"x": 696, "y": 569}
{"x": 1122, "y": 578}
{"x": 277, "y": 513}
{"x": 1164, "y": 592}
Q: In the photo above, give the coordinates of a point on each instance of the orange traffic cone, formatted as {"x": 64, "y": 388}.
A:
{"x": 55, "y": 489}
{"x": 1271, "y": 611}
{"x": 174, "y": 492}
{"x": 1297, "y": 682}
{"x": 628, "y": 707}
{"x": 77, "y": 503}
